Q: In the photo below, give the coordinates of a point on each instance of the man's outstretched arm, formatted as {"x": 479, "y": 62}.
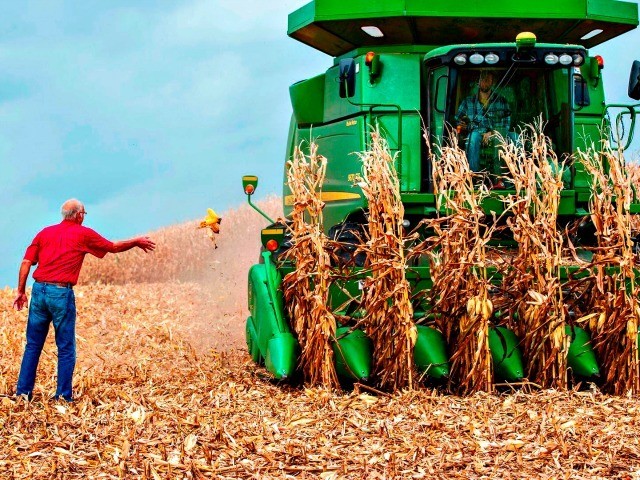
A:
{"x": 144, "y": 243}
{"x": 21, "y": 299}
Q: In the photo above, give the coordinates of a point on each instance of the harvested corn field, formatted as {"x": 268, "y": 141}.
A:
{"x": 154, "y": 400}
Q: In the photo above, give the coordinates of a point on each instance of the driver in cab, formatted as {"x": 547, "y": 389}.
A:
{"x": 479, "y": 116}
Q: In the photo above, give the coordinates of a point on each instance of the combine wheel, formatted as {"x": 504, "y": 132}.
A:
{"x": 349, "y": 235}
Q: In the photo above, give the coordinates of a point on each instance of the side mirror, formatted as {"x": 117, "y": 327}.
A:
{"x": 634, "y": 81}
{"x": 347, "y": 77}
{"x": 581, "y": 96}
{"x": 249, "y": 184}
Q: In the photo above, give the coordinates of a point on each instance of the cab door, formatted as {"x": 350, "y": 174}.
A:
{"x": 437, "y": 92}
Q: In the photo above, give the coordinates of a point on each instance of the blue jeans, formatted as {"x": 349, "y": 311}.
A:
{"x": 474, "y": 143}
{"x": 50, "y": 303}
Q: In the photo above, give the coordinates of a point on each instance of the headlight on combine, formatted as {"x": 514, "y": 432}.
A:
{"x": 491, "y": 58}
{"x": 460, "y": 59}
{"x": 551, "y": 59}
{"x": 566, "y": 59}
{"x": 476, "y": 59}
{"x": 578, "y": 59}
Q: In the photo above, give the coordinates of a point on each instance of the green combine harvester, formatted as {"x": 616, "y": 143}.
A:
{"x": 407, "y": 64}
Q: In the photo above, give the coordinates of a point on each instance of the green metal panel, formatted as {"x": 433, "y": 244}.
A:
{"x": 281, "y": 355}
{"x": 409, "y": 161}
{"x": 267, "y": 329}
{"x": 581, "y": 358}
{"x": 430, "y": 353}
{"x": 507, "y": 358}
{"x": 352, "y": 353}
{"x": 398, "y": 84}
{"x": 333, "y": 26}
{"x": 307, "y": 99}
{"x": 339, "y": 142}
{"x": 588, "y": 124}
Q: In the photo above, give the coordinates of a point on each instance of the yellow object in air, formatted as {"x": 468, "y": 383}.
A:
{"x": 211, "y": 222}
{"x": 211, "y": 217}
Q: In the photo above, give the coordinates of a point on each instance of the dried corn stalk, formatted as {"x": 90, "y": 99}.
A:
{"x": 533, "y": 282}
{"x": 613, "y": 294}
{"x": 634, "y": 173}
{"x": 306, "y": 289}
{"x": 386, "y": 297}
{"x": 459, "y": 296}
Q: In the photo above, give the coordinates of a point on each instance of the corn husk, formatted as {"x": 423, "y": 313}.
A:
{"x": 533, "y": 281}
{"x": 306, "y": 289}
{"x": 612, "y": 290}
{"x": 459, "y": 297}
{"x": 386, "y": 298}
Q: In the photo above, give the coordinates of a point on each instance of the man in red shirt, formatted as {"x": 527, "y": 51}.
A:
{"x": 58, "y": 251}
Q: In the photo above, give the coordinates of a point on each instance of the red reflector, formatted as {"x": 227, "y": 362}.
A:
{"x": 369, "y": 58}
{"x": 272, "y": 245}
{"x": 600, "y": 61}
{"x": 249, "y": 189}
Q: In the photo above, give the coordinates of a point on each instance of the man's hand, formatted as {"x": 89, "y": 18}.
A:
{"x": 21, "y": 301}
{"x": 146, "y": 244}
{"x": 486, "y": 137}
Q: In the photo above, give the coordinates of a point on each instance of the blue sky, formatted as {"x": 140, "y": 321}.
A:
{"x": 151, "y": 111}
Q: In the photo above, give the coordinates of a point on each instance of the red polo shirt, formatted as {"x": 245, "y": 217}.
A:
{"x": 60, "y": 249}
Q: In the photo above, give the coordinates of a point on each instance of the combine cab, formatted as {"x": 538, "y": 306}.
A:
{"x": 403, "y": 65}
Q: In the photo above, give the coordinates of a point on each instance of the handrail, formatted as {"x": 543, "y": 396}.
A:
{"x": 631, "y": 111}
{"x": 373, "y": 106}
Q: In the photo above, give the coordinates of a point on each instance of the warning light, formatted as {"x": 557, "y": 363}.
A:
{"x": 249, "y": 189}
{"x": 526, "y": 40}
{"x": 372, "y": 61}
{"x": 600, "y": 61}
{"x": 272, "y": 245}
{"x": 368, "y": 59}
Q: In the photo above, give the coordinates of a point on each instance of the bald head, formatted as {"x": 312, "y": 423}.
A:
{"x": 72, "y": 209}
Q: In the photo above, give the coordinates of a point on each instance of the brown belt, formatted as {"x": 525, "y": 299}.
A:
{"x": 58, "y": 284}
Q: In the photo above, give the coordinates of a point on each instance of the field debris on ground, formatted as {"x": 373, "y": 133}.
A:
{"x": 151, "y": 406}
